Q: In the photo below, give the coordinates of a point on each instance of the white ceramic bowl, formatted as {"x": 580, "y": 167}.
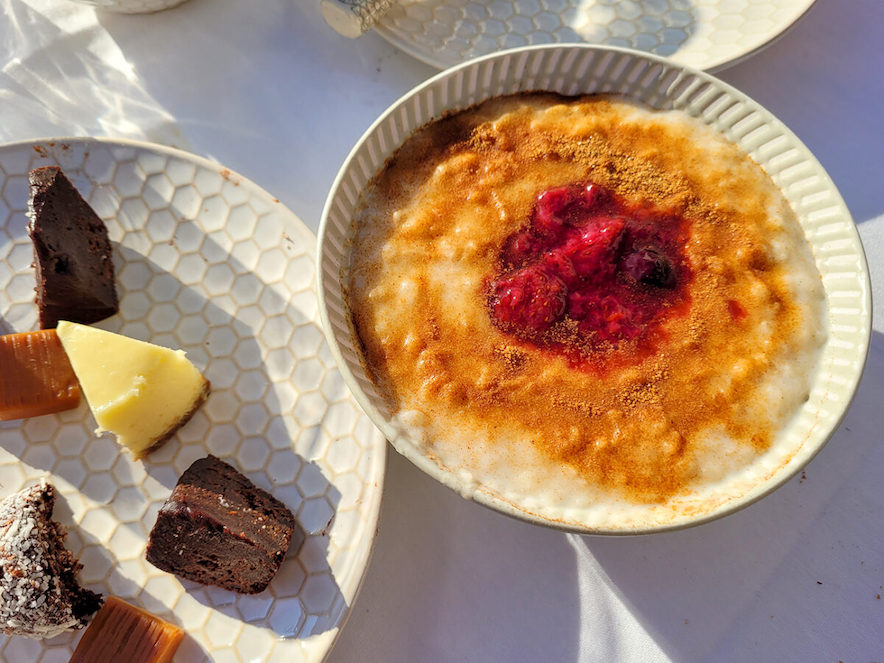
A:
{"x": 579, "y": 69}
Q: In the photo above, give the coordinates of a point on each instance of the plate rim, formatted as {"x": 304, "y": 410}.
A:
{"x": 422, "y": 461}
{"x": 291, "y": 222}
{"x": 411, "y": 48}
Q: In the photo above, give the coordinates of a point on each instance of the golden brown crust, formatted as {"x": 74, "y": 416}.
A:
{"x": 430, "y": 234}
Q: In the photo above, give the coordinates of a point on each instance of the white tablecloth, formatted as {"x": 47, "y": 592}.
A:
{"x": 267, "y": 89}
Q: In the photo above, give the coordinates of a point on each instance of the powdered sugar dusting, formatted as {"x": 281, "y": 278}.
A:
{"x": 34, "y": 601}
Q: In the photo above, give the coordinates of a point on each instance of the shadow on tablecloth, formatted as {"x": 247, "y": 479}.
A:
{"x": 789, "y": 577}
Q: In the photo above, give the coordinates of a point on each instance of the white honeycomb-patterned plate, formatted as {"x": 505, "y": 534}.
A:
{"x": 208, "y": 262}
{"x": 705, "y": 34}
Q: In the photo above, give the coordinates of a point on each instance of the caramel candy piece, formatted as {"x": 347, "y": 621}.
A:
{"x": 37, "y": 377}
{"x": 121, "y": 632}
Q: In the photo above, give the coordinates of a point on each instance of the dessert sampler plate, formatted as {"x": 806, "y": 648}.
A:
{"x": 706, "y": 34}
{"x": 664, "y": 85}
{"x": 208, "y": 262}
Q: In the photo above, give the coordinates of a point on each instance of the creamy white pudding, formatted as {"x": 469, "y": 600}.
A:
{"x": 590, "y": 310}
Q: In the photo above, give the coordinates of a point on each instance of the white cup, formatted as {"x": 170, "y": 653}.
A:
{"x": 132, "y": 6}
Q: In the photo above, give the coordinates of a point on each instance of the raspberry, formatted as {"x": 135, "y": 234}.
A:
{"x": 550, "y": 207}
{"x": 617, "y": 321}
{"x": 590, "y": 248}
{"x": 602, "y": 314}
{"x": 556, "y": 262}
{"x": 568, "y": 205}
{"x": 520, "y": 248}
{"x": 596, "y": 198}
{"x": 529, "y": 300}
{"x": 586, "y": 255}
{"x": 649, "y": 264}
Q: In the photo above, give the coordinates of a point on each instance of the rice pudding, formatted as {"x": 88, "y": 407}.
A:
{"x": 581, "y": 305}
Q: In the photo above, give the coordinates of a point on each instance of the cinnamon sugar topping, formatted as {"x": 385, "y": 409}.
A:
{"x": 644, "y": 418}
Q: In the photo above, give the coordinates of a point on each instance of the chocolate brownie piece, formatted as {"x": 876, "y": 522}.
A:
{"x": 39, "y": 593}
{"x": 218, "y": 528}
{"x": 72, "y": 253}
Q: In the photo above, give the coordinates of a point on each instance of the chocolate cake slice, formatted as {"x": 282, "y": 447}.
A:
{"x": 218, "y": 528}
{"x": 39, "y": 593}
{"x": 72, "y": 253}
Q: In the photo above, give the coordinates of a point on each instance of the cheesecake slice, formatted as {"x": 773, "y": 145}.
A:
{"x": 140, "y": 392}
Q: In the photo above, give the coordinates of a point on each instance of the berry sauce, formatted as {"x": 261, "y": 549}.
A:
{"x": 590, "y": 272}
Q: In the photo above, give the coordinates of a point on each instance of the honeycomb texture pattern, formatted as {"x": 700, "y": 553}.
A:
{"x": 210, "y": 263}
{"x": 706, "y": 34}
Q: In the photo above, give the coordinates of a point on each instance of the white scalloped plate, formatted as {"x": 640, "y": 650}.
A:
{"x": 706, "y": 34}
{"x": 662, "y": 84}
{"x": 208, "y": 262}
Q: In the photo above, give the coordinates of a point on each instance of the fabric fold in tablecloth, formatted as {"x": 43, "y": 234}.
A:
{"x": 71, "y": 81}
